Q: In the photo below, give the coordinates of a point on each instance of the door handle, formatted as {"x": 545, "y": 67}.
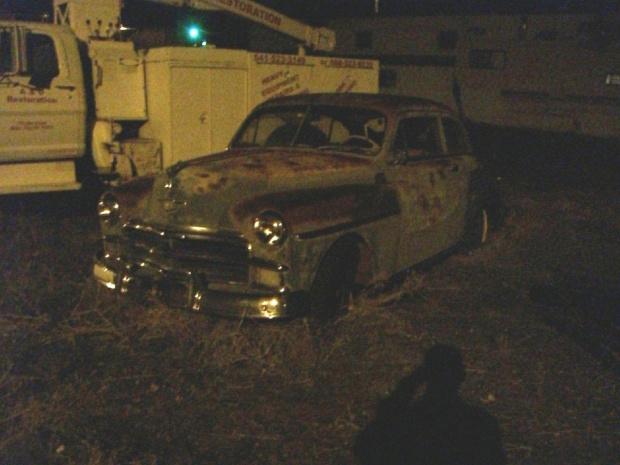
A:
{"x": 65, "y": 87}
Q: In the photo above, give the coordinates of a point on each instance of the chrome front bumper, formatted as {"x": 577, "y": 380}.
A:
{"x": 187, "y": 290}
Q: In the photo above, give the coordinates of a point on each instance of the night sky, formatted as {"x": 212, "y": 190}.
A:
{"x": 316, "y": 11}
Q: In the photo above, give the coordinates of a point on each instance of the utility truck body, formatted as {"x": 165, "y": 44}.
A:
{"x": 76, "y": 91}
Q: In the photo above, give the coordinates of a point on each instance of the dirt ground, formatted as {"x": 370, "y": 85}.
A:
{"x": 89, "y": 378}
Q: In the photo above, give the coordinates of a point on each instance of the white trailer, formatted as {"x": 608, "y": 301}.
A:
{"x": 73, "y": 89}
{"x": 558, "y": 73}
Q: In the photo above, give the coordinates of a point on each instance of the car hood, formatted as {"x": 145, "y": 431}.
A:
{"x": 219, "y": 192}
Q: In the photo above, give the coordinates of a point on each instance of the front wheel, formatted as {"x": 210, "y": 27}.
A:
{"x": 331, "y": 292}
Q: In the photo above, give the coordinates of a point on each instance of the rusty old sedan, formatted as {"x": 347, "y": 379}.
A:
{"x": 315, "y": 196}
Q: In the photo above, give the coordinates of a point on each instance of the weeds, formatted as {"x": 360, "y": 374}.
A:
{"x": 90, "y": 378}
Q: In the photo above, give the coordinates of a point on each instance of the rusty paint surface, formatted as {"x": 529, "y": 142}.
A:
{"x": 310, "y": 211}
{"x": 133, "y": 195}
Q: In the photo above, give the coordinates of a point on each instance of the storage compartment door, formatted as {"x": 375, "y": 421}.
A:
{"x": 229, "y": 105}
{"x": 191, "y": 117}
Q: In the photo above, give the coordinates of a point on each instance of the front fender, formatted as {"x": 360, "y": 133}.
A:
{"x": 132, "y": 198}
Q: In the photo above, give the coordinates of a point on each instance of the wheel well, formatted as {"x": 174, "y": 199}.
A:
{"x": 365, "y": 265}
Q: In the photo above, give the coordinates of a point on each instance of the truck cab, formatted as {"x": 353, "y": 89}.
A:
{"x": 42, "y": 107}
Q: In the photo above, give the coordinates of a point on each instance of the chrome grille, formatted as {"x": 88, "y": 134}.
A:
{"x": 217, "y": 258}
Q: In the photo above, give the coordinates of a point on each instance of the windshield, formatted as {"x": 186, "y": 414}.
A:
{"x": 358, "y": 130}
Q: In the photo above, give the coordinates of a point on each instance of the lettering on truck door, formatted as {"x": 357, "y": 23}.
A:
{"x": 42, "y": 113}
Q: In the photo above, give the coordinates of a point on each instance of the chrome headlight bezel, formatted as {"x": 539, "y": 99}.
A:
{"x": 108, "y": 209}
{"x": 270, "y": 229}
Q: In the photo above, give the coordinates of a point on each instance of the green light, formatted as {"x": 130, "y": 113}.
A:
{"x": 193, "y": 32}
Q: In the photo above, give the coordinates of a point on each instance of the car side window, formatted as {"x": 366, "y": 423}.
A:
{"x": 418, "y": 136}
{"x": 456, "y": 139}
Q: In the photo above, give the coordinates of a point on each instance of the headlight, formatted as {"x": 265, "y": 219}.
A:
{"x": 270, "y": 228}
{"x": 108, "y": 209}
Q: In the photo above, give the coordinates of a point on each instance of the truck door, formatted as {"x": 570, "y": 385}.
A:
{"x": 42, "y": 107}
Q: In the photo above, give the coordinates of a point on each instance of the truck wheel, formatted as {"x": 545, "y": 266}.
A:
{"x": 333, "y": 285}
{"x": 477, "y": 229}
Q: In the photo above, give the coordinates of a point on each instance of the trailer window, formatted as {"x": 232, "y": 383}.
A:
{"x": 448, "y": 39}
{"x": 7, "y": 61}
{"x": 487, "y": 59}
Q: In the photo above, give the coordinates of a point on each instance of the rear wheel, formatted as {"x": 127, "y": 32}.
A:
{"x": 333, "y": 286}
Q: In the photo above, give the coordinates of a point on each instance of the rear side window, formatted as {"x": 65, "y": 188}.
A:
{"x": 456, "y": 139}
{"x": 7, "y": 61}
{"x": 418, "y": 136}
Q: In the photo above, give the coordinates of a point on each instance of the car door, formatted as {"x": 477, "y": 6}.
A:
{"x": 455, "y": 170}
{"x": 423, "y": 173}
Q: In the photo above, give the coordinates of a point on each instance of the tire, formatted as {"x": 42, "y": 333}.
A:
{"x": 477, "y": 229}
{"x": 334, "y": 282}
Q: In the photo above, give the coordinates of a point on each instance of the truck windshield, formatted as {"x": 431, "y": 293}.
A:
{"x": 358, "y": 130}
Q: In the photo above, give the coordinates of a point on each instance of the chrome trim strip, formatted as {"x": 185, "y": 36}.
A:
{"x": 192, "y": 232}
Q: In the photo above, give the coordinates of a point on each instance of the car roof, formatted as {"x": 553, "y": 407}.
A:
{"x": 385, "y": 102}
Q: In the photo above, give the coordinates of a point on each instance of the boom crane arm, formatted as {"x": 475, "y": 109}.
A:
{"x": 320, "y": 39}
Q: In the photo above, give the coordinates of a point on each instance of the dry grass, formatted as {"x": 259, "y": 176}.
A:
{"x": 88, "y": 378}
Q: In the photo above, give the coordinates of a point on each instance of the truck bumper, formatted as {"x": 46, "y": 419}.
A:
{"x": 186, "y": 290}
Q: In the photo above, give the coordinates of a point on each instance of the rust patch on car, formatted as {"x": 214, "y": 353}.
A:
{"x": 436, "y": 210}
{"x": 131, "y": 193}
{"x": 325, "y": 209}
{"x": 254, "y": 164}
{"x": 136, "y": 185}
{"x": 276, "y": 163}
{"x": 206, "y": 181}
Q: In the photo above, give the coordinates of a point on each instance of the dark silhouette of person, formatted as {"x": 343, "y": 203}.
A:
{"x": 438, "y": 428}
